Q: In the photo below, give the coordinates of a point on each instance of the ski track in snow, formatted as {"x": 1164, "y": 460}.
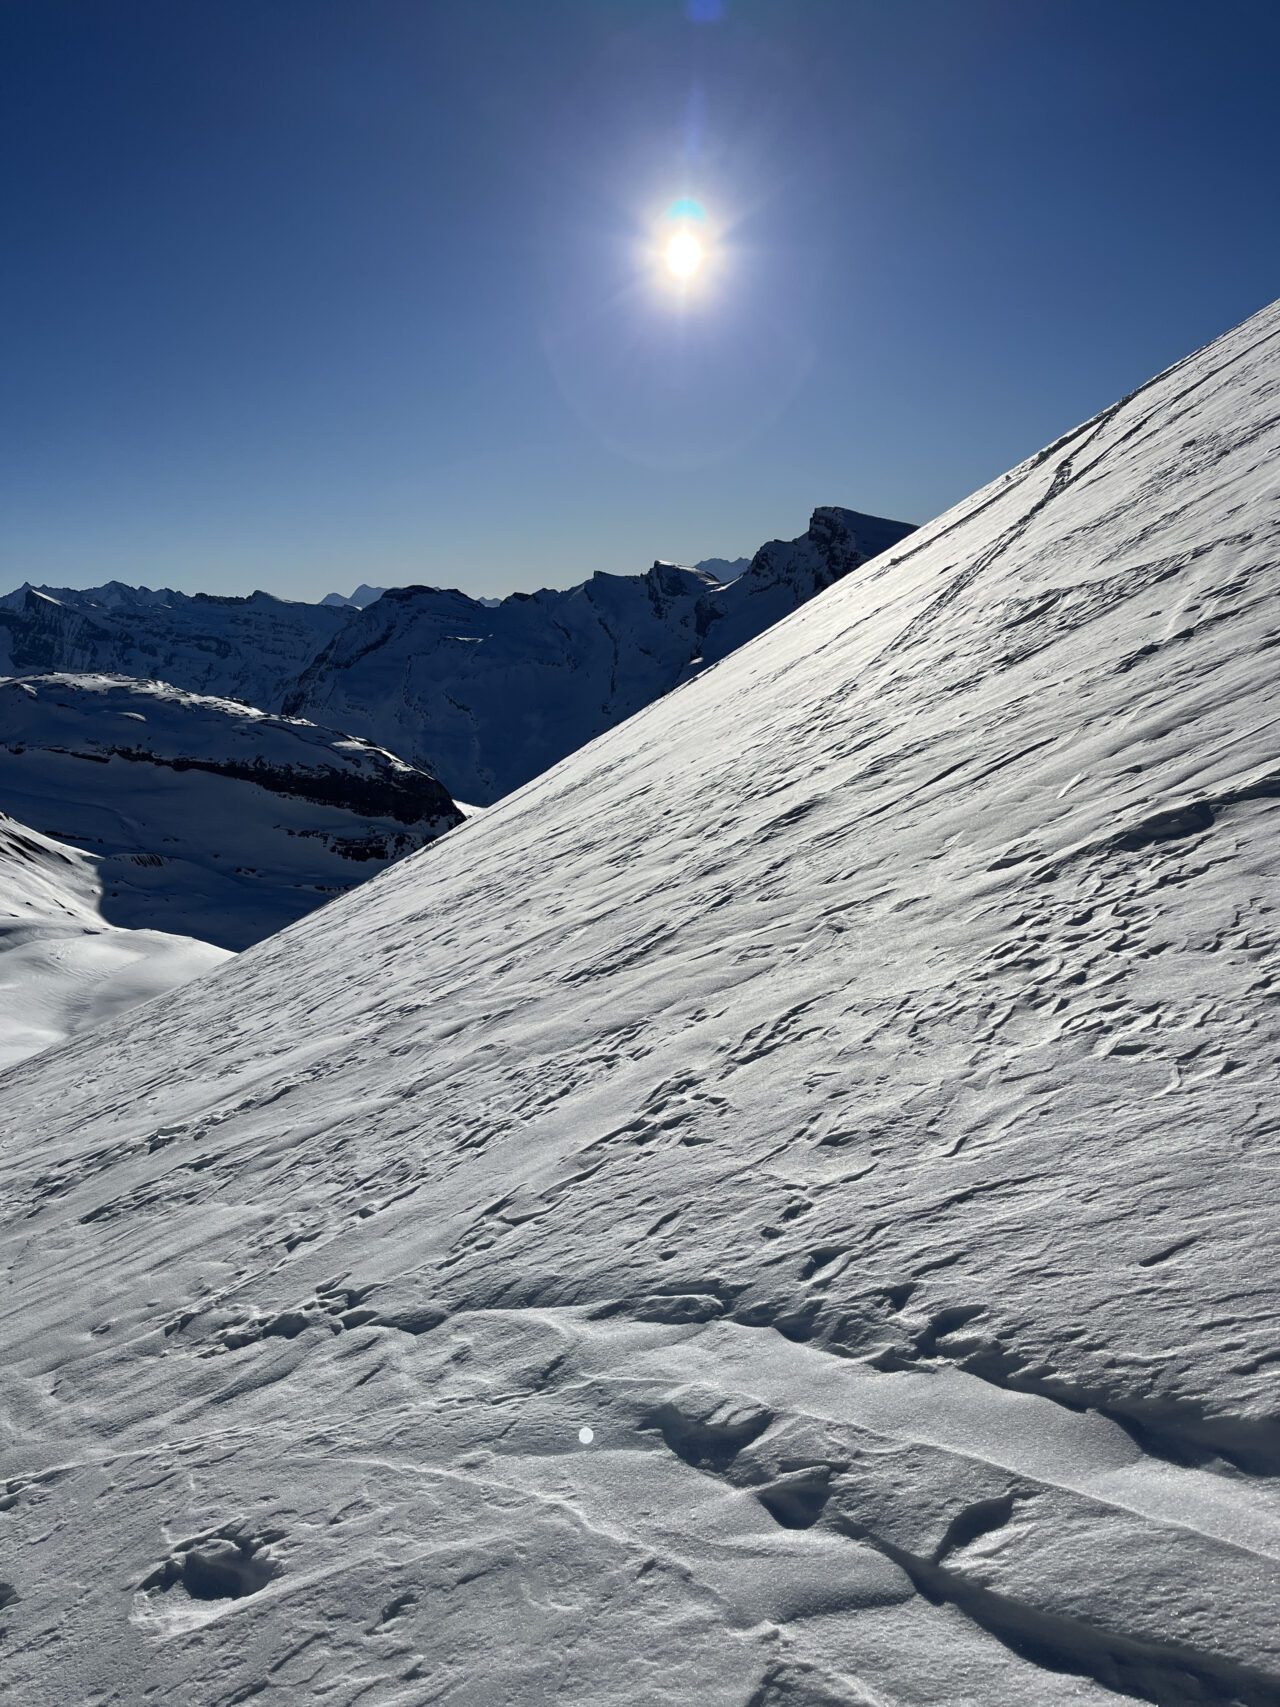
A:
{"x": 847, "y": 1088}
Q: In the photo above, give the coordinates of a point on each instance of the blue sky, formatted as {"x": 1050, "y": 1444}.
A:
{"x": 300, "y": 293}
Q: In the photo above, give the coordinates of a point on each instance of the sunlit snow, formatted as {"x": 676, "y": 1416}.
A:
{"x": 850, "y": 1083}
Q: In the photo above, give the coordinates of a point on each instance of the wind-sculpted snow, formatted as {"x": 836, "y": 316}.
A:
{"x": 847, "y": 1090}
{"x": 206, "y": 816}
{"x": 486, "y": 695}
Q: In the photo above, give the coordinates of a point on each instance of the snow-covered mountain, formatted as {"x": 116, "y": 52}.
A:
{"x": 206, "y": 817}
{"x": 484, "y": 693}
{"x": 498, "y": 693}
{"x": 363, "y": 595}
{"x": 724, "y": 568}
{"x": 487, "y": 697}
{"x": 63, "y": 968}
{"x": 250, "y": 649}
{"x": 786, "y": 573}
{"x": 781, "y": 1211}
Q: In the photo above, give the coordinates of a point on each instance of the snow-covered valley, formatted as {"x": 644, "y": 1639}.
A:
{"x": 206, "y": 817}
{"x": 780, "y": 1211}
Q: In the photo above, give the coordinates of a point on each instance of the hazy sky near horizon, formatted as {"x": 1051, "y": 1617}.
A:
{"x": 302, "y": 293}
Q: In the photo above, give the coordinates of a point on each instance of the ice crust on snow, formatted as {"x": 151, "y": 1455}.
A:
{"x": 847, "y": 1088}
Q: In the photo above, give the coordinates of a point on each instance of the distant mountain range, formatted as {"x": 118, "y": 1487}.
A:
{"x": 484, "y": 694}
{"x": 251, "y": 649}
{"x": 363, "y": 595}
{"x": 723, "y": 568}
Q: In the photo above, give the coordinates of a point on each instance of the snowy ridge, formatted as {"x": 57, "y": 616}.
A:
{"x": 483, "y": 693}
{"x": 208, "y": 817}
{"x": 487, "y": 696}
{"x": 845, "y": 1092}
{"x": 251, "y": 649}
{"x": 63, "y": 968}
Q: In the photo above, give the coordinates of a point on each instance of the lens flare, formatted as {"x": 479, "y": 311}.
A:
{"x": 688, "y": 210}
{"x": 683, "y": 254}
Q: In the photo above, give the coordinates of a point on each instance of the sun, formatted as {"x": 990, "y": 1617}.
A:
{"x": 683, "y": 254}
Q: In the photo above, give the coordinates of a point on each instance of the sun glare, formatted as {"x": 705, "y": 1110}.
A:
{"x": 683, "y": 254}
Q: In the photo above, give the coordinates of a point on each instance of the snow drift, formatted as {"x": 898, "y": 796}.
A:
{"x": 781, "y": 1211}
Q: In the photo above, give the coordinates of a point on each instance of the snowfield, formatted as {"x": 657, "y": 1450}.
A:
{"x": 206, "y": 817}
{"x": 848, "y": 1089}
{"x": 63, "y": 968}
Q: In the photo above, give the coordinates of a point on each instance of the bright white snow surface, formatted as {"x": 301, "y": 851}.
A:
{"x": 848, "y": 1089}
{"x": 63, "y": 968}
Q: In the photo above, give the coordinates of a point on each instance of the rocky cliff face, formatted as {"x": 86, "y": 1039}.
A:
{"x": 207, "y": 817}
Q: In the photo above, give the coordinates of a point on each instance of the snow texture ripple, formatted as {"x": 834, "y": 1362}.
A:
{"x": 848, "y": 1089}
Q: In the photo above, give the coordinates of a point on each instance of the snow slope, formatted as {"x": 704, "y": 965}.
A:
{"x": 483, "y": 693}
{"x": 208, "y": 818}
{"x": 487, "y": 696}
{"x": 63, "y": 969}
{"x": 847, "y": 1090}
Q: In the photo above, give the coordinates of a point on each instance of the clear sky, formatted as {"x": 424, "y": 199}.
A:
{"x": 301, "y": 293}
